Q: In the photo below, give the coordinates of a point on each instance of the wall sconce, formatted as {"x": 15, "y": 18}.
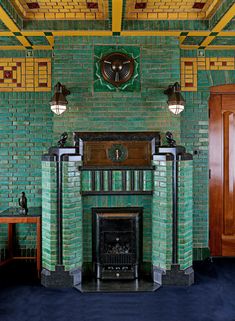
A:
{"x": 59, "y": 102}
{"x": 175, "y": 101}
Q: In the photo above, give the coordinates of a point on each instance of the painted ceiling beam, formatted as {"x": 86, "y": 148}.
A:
{"x": 227, "y": 17}
{"x": 220, "y": 12}
{"x": 12, "y": 13}
{"x": 12, "y": 26}
{"x": 117, "y": 7}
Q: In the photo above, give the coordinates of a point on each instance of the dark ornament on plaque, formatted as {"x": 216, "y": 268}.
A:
{"x": 62, "y": 140}
{"x": 117, "y": 68}
{"x": 117, "y": 153}
{"x": 23, "y": 204}
{"x": 170, "y": 140}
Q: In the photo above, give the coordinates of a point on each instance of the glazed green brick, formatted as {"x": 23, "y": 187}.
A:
{"x": 72, "y": 215}
{"x": 117, "y": 180}
{"x": 49, "y": 215}
{"x": 162, "y": 214}
{"x": 103, "y": 111}
{"x": 185, "y": 213}
{"x": 147, "y": 180}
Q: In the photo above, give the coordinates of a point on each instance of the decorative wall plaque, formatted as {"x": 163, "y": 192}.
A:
{"x": 117, "y": 153}
{"x": 116, "y": 68}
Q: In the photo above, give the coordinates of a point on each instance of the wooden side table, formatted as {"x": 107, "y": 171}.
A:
{"x": 11, "y": 217}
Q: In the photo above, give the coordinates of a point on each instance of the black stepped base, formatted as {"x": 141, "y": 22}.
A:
{"x": 174, "y": 276}
{"x": 60, "y": 278}
{"x": 95, "y": 285}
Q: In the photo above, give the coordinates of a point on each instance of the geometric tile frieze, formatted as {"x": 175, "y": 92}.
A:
{"x": 25, "y": 74}
{"x": 190, "y": 67}
{"x": 189, "y": 74}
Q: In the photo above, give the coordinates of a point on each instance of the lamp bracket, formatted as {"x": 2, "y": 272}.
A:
{"x": 61, "y": 89}
{"x": 172, "y": 88}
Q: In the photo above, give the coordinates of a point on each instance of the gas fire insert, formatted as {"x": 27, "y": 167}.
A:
{"x": 117, "y": 242}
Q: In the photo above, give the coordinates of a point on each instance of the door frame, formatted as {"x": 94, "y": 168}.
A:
{"x": 216, "y": 175}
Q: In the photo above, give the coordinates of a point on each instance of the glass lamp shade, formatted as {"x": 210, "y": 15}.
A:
{"x": 58, "y": 109}
{"x": 176, "y": 109}
{"x": 175, "y": 101}
{"x": 58, "y": 102}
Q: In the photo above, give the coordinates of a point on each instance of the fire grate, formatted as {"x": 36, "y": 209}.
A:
{"x": 117, "y": 243}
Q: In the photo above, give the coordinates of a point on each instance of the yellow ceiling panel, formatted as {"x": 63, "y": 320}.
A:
{"x": 170, "y": 9}
{"x": 63, "y": 9}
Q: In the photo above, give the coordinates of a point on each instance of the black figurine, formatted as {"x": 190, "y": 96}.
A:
{"x": 76, "y": 140}
{"x": 63, "y": 139}
{"x": 170, "y": 140}
{"x": 23, "y": 204}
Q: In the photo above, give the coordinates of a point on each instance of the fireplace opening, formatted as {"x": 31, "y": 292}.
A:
{"x": 117, "y": 243}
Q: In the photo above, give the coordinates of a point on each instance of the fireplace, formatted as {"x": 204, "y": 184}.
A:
{"x": 117, "y": 206}
{"x": 117, "y": 242}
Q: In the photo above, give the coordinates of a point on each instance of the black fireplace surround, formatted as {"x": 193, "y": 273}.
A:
{"x": 117, "y": 242}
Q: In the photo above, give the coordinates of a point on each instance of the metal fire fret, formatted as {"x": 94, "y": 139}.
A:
{"x": 117, "y": 259}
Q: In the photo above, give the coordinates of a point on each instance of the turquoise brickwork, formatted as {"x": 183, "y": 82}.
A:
{"x": 26, "y": 133}
{"x": 162, "y": 214}
{"x": 185, "y": 214}
{"x": 28, "y": 127}
{"x": 114, "y": 111}
{"x": 49, "y": 215}
{"x": 72, "y": 216}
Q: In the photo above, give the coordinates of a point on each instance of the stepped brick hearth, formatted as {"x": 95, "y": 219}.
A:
{"x": 116, "y": 206}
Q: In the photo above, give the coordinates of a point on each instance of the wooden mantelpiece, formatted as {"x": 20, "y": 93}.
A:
{"x": 116, "y": 149}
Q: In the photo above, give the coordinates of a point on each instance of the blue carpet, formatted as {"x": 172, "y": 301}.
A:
{"x": 211, "y": 298}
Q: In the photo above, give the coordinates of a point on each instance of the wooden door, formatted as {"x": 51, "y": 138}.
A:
{"x": 222, "y": 170}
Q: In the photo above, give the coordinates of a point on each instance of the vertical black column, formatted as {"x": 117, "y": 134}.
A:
{"x": 59, "y": 212}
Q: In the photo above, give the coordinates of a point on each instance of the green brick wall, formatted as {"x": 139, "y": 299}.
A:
{"x": 25, "y": 134}
{"x": 28, "y": 128}
{"x": 144, "y": 110}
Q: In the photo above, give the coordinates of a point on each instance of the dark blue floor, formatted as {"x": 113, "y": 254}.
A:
{"x": 211, "y": 298}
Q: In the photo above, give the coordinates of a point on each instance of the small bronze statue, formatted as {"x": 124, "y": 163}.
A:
{"x": 170, "y": 140}
{"x": 62, "y": 140}
{"x": 23, "y": 204}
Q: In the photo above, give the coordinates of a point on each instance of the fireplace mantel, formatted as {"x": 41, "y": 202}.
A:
{"x": 116, "y": 149}
{"x": 106, "y": 136}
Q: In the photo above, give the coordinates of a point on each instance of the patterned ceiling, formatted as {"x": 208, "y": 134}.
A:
{"x": 54, "y": 9}
{"x": 198, "y": 24}
{"x": 170, "y": 9}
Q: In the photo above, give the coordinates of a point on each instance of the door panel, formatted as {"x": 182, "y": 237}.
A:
{"x": 228, "y": 172}
{"x": 222, "y": 165}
